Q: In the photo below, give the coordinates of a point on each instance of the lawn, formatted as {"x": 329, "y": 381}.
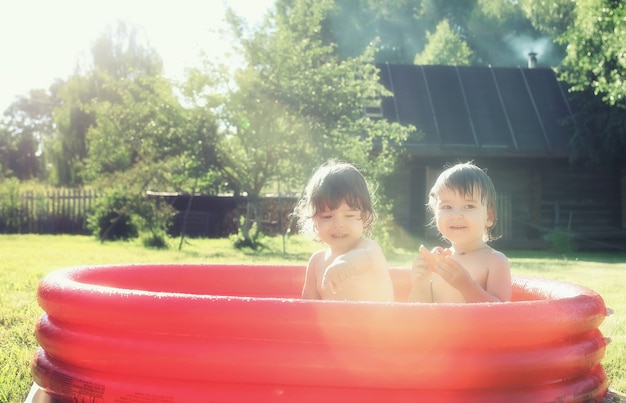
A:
{"x": 25, "y": 259}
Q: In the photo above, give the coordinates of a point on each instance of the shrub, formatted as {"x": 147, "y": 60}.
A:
{"x": 253, "y": 242}
{"x": 111, "y": 218}
{"x": 562, "y": 240}
{"x": 122, "y": 216}
{"x": 10, "y": 206}
{"x": 155, "y": 241}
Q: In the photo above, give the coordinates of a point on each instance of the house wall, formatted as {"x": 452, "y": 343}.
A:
{"x": 588, "y": 204}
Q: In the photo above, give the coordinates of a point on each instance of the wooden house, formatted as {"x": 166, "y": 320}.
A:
{"x": 509, "y": 121}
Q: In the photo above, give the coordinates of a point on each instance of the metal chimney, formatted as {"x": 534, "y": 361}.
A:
{"x": 532, "y": 60}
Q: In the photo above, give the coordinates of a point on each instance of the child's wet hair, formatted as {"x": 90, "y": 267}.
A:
{"x": 466, "y": 179}
{"x": 332, "y": 184}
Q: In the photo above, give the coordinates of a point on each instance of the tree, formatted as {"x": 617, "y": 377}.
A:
{"x": 195, "y": 168}
{"x": 68, "y": 150}
{"x": 497, "y": 32}
{"x": 395, "y": 26}
{"x": 122, "y": 128}
{"x": 293, "y": 104}
{"x": 330, "y": 92}
{"x": 119, "y": 58}
{"x": 265, "y": 142}
{"x": 444, "y": 47}
{"x": 122, "y": 53}
{"x": 552, "y": 17}
{"x": 137, "y": 121}
{"x": 597, "y": 131}
{"x": 595, "y": 67}
{"x": 144, "y": 139}
{"x": 596, "y": 51}
{"x": 27, "y": 124}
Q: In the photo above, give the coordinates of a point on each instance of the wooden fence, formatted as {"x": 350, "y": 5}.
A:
{"x": 50, "y": 212}
{"x": 66, "y": 211}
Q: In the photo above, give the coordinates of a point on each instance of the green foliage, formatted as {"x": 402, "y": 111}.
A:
{"x": 383, "y": 234}
{"x": 307, "y": 74}
{"x": 445, "y": 47}
{"x": 562, "y": 241}
{"x": 120, "y": 113}
{"x": 123, "y": 53}
{"x": 120, "y": 215}
{"x": 24, "y": 131}
{"x": 9, "y": 206}
{"x": 596, "y": 65}
{"x": 596, "y": 51}
{"x": 155, "y": 241}
{"x": 252, "y": 240}
{"x": 68, "y": 150}
{"x": 138, "y": 121}
{"x": 293, "y": 104}
{"x": 194, "y": 168}
{"x": 111, "y": 218}
{"x": 496, "y": 32}
{"x": 153, "y": 219}
{"x": 552, "y": 17}
{"x": 597, "y": 135}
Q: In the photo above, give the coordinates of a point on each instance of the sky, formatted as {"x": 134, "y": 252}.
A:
{"x": 41, "y": 40}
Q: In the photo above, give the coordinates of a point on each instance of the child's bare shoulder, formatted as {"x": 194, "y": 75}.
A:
{"x": 497, "y": 258}
{"x": 317, "y": 257}
{"x": 496, "y": 254}
{"x": 369, "y": 244}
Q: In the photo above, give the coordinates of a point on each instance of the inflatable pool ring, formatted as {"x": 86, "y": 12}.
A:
{"x": 240, "y": 333}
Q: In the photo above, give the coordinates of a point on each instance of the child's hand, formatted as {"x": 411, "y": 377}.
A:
{"x": 335, "y": 273}
{"x": 453, "y": 273}
{"x": 438, "y": 254}
{"x": 420, "y": 271}
{"x": 440, "y": 261}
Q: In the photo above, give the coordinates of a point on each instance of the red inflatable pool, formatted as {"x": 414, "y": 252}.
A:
{"x": 239, "y": 333}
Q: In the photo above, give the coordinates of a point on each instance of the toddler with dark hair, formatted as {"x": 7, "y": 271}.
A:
{"x": 336, "y": 209}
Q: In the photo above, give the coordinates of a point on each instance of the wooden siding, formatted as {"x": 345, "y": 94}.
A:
{"x": 581, "y": 202}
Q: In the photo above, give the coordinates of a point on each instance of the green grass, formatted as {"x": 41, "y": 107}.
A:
{"x": 26, "y": 259}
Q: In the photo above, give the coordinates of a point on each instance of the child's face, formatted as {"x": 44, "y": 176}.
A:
{"x": 341, "y": 229}
{"x": 461, "y": 218}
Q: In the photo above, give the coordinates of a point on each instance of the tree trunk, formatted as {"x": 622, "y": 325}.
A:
{"x": 252, "y": 214}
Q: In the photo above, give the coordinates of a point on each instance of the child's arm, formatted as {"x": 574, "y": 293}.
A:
{"x": 367, "y": 256}
{"x": 309, "y": 290}
{"x": 499, "y": 281}
{"x": 421, "y": 277}
{"x": 421, "y": 290}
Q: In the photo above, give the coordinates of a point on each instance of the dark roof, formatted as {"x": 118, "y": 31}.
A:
{"x": 479, "y": 110}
